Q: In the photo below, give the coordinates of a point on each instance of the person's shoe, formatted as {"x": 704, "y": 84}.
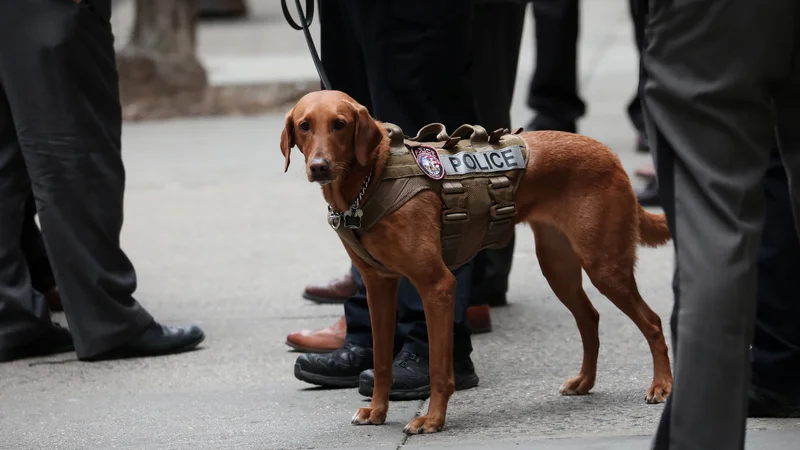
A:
{"x": 325, "y": 340}
{"x": 411, "y": 380}
{"x": 765, "y": 403}
{"x": 649, "y": 195}
{"x": 53, "y": 299}
{"x": 335, "y": 291}
{"x": 157, "y": 340}
{"x": 542, "y": 123}
{"x": 339, "y": 369}
{"x": 479, "y": 319}
{"x": 56, "y": 339}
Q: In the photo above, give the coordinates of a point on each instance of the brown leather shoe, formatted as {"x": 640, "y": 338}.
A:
{"x": 325, "y": 340}
{"x": 335, "y": 291}
{"x": 479, "y": 319}
{"x": 53, "y": 299}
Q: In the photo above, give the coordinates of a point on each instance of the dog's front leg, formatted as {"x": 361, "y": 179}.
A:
{"x": 438, "y": 300}
{"x": 382, "y": 302}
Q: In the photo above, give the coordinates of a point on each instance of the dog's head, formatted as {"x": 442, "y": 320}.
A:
{"x": 334, "y": 133}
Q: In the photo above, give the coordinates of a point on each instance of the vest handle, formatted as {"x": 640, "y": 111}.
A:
{"x": 476, "y": 133}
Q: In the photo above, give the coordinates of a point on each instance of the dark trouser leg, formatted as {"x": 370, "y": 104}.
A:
{"x": 356, "y": 313}
{"x": 776, "y": 340}
{"x": 62, "y": 88}
{"x": 554, "y": 86}
{"x": 23, "y": 312}
{"x": 343, "y": 62}
{"x": 711, "y": 127}
{"x": 638, "y": 10}
{"x": 399, "y": 39}
{"x": 42, "y": 278}
{"x": 776, "y": 345}
{"x": 495, "y": 50}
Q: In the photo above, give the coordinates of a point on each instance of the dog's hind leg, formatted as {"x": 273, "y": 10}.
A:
{"x": 562, "y": 269}
{"x": 614, "y": 278}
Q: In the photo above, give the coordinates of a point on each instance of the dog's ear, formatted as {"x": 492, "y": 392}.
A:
{"x": 367, "y": 136}
{"x": 287, "y": 139}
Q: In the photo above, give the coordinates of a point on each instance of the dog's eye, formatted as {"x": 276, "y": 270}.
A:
{"x": 338, "y": 124}
{"x": 304, "y": 126}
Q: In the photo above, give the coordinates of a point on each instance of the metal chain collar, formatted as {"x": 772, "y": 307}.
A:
{"x": 351, "y": 217}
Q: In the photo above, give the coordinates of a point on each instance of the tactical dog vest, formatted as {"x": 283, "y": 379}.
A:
{"x": 474, "y": 173}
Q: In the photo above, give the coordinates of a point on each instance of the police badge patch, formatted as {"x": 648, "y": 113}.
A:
{"x": 427, "y": 159}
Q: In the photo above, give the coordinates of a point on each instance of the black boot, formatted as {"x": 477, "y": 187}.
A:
{"x": 338, "y": 369}
{"x": 412, "y": 380}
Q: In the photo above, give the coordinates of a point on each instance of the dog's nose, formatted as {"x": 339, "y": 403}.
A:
{"x": 320, "y": 168}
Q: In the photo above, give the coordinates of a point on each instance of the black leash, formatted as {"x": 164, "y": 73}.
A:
{"x": 305, "y": 22}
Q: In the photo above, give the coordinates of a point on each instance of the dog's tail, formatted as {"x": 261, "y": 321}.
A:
{"x": 653, "y": 229}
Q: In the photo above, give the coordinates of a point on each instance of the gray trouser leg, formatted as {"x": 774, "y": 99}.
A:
{"x": 710, "y": 66}
{"x": 57, "y": 67}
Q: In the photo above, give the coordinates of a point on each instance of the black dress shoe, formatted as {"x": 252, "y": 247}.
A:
{"x": 411, "y": 380}
{"x": 55, "y": 340}
{"x": 157, "y": 340}
{"x": 765, "y": 403}
{"x": 542, "y": 123}
{"x": 338, "y": 369}
{"x": 649, "y": 195}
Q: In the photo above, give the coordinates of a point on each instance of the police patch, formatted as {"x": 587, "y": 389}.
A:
{"x": 427, "y": 159}
{"x": 486, "y": 161}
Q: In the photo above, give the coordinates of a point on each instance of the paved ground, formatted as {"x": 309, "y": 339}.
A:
{"x": 221, "y": 237}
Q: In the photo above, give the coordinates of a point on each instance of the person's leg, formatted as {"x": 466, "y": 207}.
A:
{"x": 553, "y": 91}
{"x": 775, "y": 356}
{"x": 719, "y": 153}
{"x": 776, "y": 344}
{"x": 62, "y": 88}
{"x": 25, "y": 326}
{"x": 350, "y": 345}
{"x": 638, "y": 12}
{"x": 400, "y": 38}
{"x": 343, "y": 62}
{"x": 495, "y": 46}
{"x": 42, "y": 278}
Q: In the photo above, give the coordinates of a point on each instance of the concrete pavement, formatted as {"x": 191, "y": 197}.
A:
{"x": 221, "y": 237}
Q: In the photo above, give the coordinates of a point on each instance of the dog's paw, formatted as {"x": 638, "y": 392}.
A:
{"x": 658, "y": 392}
{"x": 424, "y": 424}
{"x": 369, "y": 416}
{"x": 580, "y": 385}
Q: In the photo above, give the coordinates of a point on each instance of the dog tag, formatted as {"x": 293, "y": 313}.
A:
{"x": 352, "y": 219}
{"x": 334, "y": 220}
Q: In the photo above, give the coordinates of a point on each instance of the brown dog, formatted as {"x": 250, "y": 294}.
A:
{"x": 574, "y": 194}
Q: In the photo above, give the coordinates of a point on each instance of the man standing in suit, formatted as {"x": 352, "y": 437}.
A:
{"x": 723, "y": 80}
{"x": 60, "y": 127}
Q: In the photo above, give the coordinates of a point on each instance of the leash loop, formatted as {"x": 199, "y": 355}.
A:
{"x": 305, "y": 22}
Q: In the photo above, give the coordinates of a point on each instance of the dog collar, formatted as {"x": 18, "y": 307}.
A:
{"x": 351, "y": 217}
